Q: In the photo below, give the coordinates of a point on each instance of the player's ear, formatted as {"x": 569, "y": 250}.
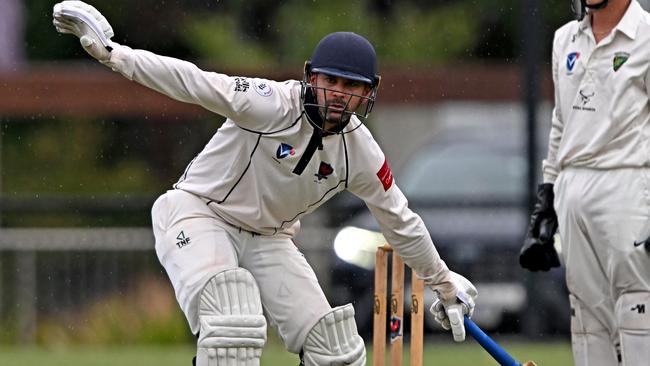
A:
{"x": 312, "y": 78}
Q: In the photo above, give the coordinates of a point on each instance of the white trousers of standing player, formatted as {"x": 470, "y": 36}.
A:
{"x": 601, "y": 214}
{"x": 193, "y": 244}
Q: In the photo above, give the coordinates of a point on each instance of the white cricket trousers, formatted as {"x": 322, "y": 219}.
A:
{"x": 193, "y": 244}
{"x": 601, "y": 214}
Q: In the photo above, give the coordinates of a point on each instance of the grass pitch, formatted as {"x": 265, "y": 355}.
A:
{"x": 435, "y": 353}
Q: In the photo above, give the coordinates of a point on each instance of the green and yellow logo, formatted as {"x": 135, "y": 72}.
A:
{"x": 619, "y": 59}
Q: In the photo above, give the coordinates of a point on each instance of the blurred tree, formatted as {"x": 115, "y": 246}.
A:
{"x": 264, "y": 34}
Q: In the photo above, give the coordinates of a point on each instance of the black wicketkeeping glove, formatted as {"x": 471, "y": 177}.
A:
{"x": 538, "y": 252}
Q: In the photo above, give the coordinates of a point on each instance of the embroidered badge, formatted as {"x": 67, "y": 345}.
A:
{"x": 262, "y": 88}
{"x": 324, "y": 170}
{"x": 571, "y": 60}
{"x": 284, "y": 150}
{"x": 619, "y": 59}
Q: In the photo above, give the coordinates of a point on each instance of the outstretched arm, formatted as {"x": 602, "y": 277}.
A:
{"x": 255, "y": 104}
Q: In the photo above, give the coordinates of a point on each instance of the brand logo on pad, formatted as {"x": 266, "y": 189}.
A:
{"x": 284, "y": 150}
{"x": 640, "y": 308}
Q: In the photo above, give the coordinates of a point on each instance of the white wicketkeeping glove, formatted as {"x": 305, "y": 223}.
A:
{"x": 449, "y": 313}
{"x": 85, "y": 22}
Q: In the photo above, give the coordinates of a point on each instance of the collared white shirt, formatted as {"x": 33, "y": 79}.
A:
{"x": 245, "y": 172}
{"x": 601, "y": 118}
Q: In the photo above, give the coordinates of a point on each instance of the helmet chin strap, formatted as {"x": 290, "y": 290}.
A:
{"x": 316, "y": 119}
{"x": 315, "y": 114}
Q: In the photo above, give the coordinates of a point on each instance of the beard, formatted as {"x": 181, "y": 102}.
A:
{"x": 336, "y": 114}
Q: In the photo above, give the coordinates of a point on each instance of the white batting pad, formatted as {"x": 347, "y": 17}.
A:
{"x": 633, "y": 315}
{"x": 232, "y": 327}
{"x": 590, "y": 340}
{"x": 334, "y": 340}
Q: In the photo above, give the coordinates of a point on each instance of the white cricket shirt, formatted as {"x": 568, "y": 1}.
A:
{"x": 601, "y": 115}
{"x": 245, "y": 172}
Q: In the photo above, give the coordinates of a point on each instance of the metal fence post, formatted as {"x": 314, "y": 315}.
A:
{"x": 26, "y": 295}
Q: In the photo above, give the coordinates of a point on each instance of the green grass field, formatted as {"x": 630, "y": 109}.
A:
{"x": 439, "y": 354}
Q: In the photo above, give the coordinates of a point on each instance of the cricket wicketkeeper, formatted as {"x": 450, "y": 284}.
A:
{"x": 596, "y": 186}
{"x": 224, "y": 232}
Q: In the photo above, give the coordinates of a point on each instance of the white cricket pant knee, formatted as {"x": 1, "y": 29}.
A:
{"x": 334, "y": 340}
{"x": 232, "y": 327}
{"x": 292, "y": 297}
{"x": 633, "y": 316}
{"x": 590, "y": 339}
{"x": 192, "y": 245}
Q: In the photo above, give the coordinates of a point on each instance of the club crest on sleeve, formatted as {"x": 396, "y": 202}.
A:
{"x": 262, "y": 88}
{"x": 385, "y": 175}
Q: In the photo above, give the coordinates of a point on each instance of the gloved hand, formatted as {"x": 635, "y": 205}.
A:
{"x": 538, "y": 252}
{"x": 449, "y": 313}
{"x": 85, "y": 22}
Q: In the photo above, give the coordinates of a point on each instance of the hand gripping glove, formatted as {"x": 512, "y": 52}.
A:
{"x": 538, "y": 252}
{"x": 85, "y": 22}
{"x": 449, "y": 313}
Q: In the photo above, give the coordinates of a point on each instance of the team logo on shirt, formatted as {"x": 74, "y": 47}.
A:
{"x": 619, "y": 59}
{"x": 585, "y": 99}
{"x": 284, "y": 150}
{"x": 324, "y": 169}
{"x": 571, "y": 60}
{"x": 262, "y": 88}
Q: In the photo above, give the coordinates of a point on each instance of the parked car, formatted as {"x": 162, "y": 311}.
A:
{"x": 469, "y": 186}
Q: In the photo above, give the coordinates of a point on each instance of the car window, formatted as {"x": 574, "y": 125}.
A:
{"x": 464, "y": 172}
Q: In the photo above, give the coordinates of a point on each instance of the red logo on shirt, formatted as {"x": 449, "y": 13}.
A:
{"x": 385, "y": 175}
{"x": 324, "y": 170}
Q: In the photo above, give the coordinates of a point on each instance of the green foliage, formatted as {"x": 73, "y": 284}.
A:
{"x": 147, "y": 314}
{"x": 258, "y": 34}
{"x": 412, "y": 36}
{"x": 59, "y": 156}
{"x": 212, "y": 38}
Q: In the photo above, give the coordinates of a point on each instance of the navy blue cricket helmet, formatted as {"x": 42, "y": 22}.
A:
{"x": 346, "y": 55}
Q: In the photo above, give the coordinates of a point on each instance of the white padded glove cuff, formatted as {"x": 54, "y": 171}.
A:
{"x": 122, "y": 61}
